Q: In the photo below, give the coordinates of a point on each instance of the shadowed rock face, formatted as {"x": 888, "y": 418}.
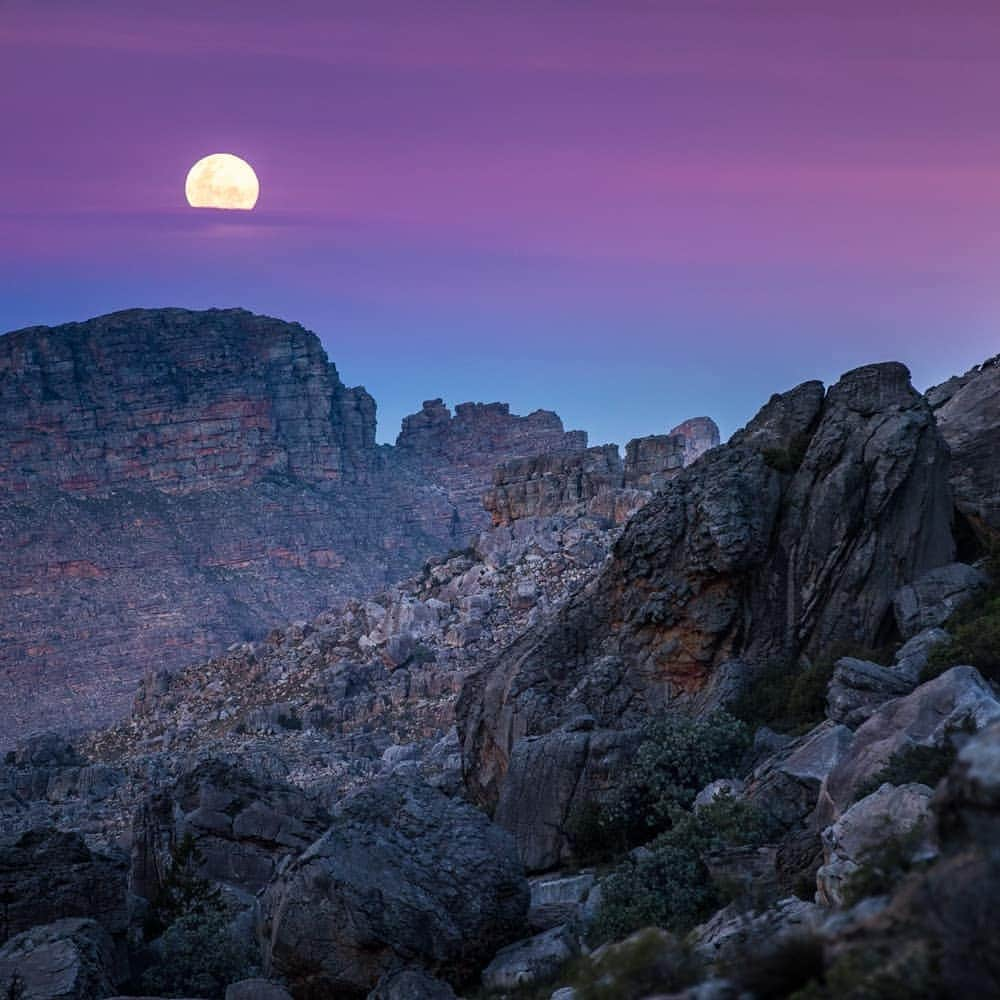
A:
{"x": 967, "y": 408}
{"x": 403, "y": 875}
{"x": 172, "y": 482}
{"x": 791, "y": 538}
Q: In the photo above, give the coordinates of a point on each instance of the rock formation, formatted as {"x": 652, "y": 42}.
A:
{"x": 967, "y": 409}
{"x": 404, "y": 874}
{"x": 172, "y": 482}
{"x": 794, "y": 536}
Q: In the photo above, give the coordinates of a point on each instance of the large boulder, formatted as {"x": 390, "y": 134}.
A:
{"x": 71, "y": 959}
{"x": 48, "y": 874}
{"x": 411, "y": 984}
{"x": 404, "y": 875}
{"x": 890, "y": 815}
{"x": 551, "y": 777}
{"x": 858, "y": 687}
{"x": 242, "y": 824}
{"x": 928, "y": 716}
{"x": 968, "y": 412}
{"x": 789, "y": 539}
{"x": 529, "y": 962}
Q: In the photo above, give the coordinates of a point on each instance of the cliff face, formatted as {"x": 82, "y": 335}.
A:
{"x": 792, "y": 537}
{"x": 172, "y": 482}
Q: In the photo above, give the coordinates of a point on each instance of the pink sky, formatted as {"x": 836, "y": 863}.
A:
{"x": 628, "y": 212}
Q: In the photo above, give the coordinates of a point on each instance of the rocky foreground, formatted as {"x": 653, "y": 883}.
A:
{"x": 719, "y": 728}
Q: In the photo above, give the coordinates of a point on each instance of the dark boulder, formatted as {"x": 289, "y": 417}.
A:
{"x": 405, "y": 875}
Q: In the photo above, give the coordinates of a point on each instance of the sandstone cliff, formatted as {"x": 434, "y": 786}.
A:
{"x": 172, "y": 482}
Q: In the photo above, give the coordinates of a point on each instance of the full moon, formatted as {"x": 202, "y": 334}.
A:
{"x": 222, "y": 180}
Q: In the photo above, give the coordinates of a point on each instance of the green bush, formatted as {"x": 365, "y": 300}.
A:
{"x": 975, "y": 639}
{"x": 668, "y": 885}
{"x": 648, "y": 962}
{"x": 785, "y": 696}
{"x": 197, "y": 954}
{"x": 678, "y": 756}
{"x": 199, "y": 957}
{"x": 183, "y": 892}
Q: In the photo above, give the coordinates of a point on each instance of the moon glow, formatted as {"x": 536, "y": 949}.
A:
{"x": 222, "y": 180}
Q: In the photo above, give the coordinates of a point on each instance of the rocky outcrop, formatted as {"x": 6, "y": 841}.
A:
{"x": 550, "y": 778}
{"x": 404, "y": 875}
{"x": 789, "y": 539}
{"x": 70, "y": 959}
{"x": 48, "y": 874}
{"x": 172, "y": 482}
{"x": 411, "y": 984}
{"x": 889, "y": 817}
{"x": 967, "y": 409}
{"x": 935, "y": 596}
{"x": 243, "y": 825}
{"x": 931, "y": 715}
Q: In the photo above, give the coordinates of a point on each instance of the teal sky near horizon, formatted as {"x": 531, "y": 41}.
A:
{"x": 629, "y": 212}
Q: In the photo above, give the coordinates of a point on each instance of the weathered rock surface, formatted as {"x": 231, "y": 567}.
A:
{"x": 738, "y": 556}
{"x": 858, "y": 687}
{"x": 404, "y": 875}
{"x": 47, "y": 874}
{"x": 935, "y": 596}
{"x": 549, "y": 778}
{"x": 559, "y": 900}
{"x": 126, "y": 444}
{"x": 732, "y": 934}
{"x": 929, "y": 715}
{"x": 242, "y": 824}
{"x": 967, "y": 409}
{"x": 71, "y": 959}
{"x": 890, "y": 813}
{"x": 257, "y": 989}
{"x": 526, "y": 963}
{"x": 411, "y": 984}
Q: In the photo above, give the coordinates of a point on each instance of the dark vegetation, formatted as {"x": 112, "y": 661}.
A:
{"x": 791, "y": 698}
{"x": 885, "y": 868}
{"x": 975, "y": 631}
{"x": 788, "y": 459}
{"x": 677, "y": 757}
{"x": 193, "y": 947}
{"x": 667, "y": 884}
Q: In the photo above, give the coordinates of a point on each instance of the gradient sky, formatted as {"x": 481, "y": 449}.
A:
{"x": 630, "y": 212}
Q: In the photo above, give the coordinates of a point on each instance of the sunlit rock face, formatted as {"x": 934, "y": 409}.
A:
{"x": 173, "y": 481}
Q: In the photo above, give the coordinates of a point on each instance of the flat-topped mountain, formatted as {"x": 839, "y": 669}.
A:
{"x": 172, "y": 482}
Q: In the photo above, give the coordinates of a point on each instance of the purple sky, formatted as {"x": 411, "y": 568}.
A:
{"x": 630, "y": 212}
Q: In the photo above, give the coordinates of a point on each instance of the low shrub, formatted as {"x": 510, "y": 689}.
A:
{"x": 785, "y": 696}
{"x": 678, "y": 756}
{"x": 648, "y": 962}
{"x": 790, "y": 698}
{"x": 975, "y": 640}
{"x": 773, "y": 973}
{"x": 885, "y": 868}
{"x": 668, "y": 884}
{"x": 199, "y": 957}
